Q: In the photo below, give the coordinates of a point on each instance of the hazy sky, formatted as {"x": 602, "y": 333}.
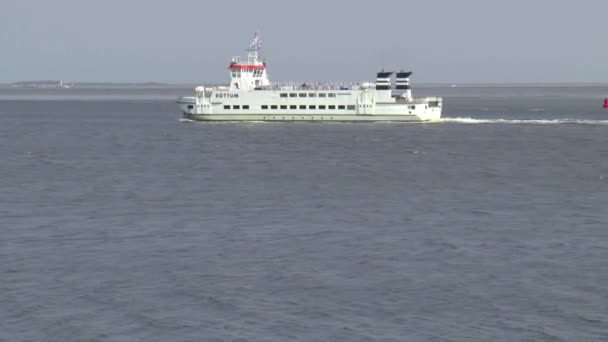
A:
{"x": 191, "y": 41}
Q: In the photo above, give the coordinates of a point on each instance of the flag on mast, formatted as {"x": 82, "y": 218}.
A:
{"x": 256, "y": 44}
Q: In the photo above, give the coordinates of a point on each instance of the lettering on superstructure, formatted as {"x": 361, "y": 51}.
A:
{"x": 226, "y": 95}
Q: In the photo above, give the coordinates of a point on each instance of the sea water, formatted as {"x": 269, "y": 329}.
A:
{"x": 121, "y": 222}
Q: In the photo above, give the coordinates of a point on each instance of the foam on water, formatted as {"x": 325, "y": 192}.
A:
{"x": 464, "y": 120}
{"x": 469, "y": 120}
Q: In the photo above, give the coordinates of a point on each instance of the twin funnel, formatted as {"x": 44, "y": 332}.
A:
{"x": 402, "y": 82}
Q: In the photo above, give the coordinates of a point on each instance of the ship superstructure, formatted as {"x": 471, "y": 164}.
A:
{"x": 250, "y": 96}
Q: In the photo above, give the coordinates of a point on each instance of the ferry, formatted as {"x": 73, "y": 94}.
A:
{"x": 250, "y": 96}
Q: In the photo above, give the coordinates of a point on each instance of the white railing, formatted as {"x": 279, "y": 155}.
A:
{"x": 315, "y": 85}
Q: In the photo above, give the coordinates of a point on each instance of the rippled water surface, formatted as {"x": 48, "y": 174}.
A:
{"x": 121, "y": 222}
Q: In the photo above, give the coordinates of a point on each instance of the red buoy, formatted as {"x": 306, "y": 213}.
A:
{"x": 606, "y": 103}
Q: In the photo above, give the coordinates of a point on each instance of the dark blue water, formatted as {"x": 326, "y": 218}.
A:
{"x": 119, "y": 222}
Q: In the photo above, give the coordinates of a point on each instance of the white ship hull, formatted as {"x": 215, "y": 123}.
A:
{"x": 335, "y": 105}
{"x": 309, "y": 118}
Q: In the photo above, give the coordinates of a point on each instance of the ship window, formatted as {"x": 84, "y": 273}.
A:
{"x": 293, "y": 107}
{"x": 264, "y": 106}
{"x": 302, "y": 95}
{"x": 331, "y": 95}
{"x": 350, "y": 107}
{"x": 302, "y": 106}
{"x": 190, "y": 107}
{"x": 321, "y": 106}
{"x": 341, "y": 107}
{"x": 312, "y": 107}
{"x": 322, "y": 94}
{"x": 283, "y": 107}
{"x": 331, "y": 107}
{"x": 273, "y": 107}
{"x": 246, "y": 107}
{"x": 312, "y": 95}
{"x": 226, "y": 107}
{"x": 236, "y": 107}
{"x": 412, "y": 107}
{"x": 283, "y": 94}
{"x": 293, "y": 95}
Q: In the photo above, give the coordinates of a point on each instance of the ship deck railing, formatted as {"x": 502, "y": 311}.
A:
{"x": 419, "y": 99}
{"x": 296, "y": 86}
{"x": 316, "y": 85}
{"x": 307, "y": 86}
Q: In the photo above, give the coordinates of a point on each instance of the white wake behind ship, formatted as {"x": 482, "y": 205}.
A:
{"x": 250, "y": 96}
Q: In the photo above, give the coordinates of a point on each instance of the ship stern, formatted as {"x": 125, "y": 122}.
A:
{"x": 187, "y": 104}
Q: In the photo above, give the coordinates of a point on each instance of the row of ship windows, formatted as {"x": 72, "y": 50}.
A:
{"x": 307, "y": 95}
{"x": 306, "y": 118}
{"x": 256, "y": 73}
{"x": 342, "y": 107}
